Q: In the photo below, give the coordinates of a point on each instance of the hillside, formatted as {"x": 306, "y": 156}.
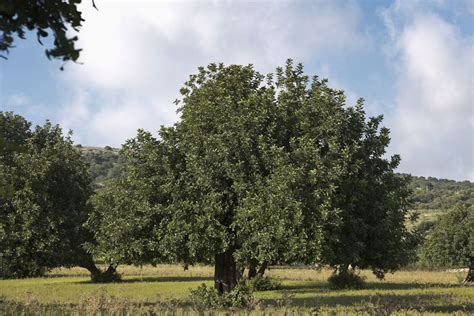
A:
{"x": 104, "y": 163}
{"x": 433, "y": 194}
{"x": 430, "y": 195}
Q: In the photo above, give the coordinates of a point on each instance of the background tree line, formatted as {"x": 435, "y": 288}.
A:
{"x": 259, "y": 170}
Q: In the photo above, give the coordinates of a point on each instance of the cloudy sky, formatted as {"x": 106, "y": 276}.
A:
{"x": 412, "y": 61}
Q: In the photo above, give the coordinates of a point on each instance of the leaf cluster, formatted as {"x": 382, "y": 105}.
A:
{"x": 55, "y": 16}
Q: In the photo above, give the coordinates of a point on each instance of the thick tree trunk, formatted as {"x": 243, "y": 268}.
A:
{"x": 97, "y": 275}
{"x": 470, "y": 273}
{"x": 252, "y": 272}
{"x": 225, "y": 272}
{"x": 261, "y": 270}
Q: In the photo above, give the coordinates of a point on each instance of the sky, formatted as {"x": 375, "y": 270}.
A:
{"x": 412, "y": 61}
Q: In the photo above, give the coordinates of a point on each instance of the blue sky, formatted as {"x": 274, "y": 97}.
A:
{"x": 412, "y": 61}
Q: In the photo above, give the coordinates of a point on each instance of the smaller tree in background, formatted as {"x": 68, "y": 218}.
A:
{"x": 451, "y": 242}
{"x": 127, "y": 218}
{"x": 14, "y": 131}
{"x": 372, "y": 199}
{"x": 42, "y": 216}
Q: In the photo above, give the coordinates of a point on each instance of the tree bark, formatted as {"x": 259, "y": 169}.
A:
{"x": 225, "y": 272}
{"x": 261, "y": 270}
{"x": 470, "y": 273}
{"x": 252, "y": 272}
{"x": 97, "y": 275}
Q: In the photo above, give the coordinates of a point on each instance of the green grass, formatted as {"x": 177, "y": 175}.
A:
{"x": 417, "y": 291}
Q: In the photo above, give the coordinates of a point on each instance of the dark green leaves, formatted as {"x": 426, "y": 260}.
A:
{"x": 46, "y": 205}
{"x": 55, "y": 16}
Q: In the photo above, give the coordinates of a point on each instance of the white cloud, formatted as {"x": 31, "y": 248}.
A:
{"x": 137, "y": 55}
{"x": 17, "y": 100}
{"x": 432, "y": 127}
{"x": 21, "y": 103}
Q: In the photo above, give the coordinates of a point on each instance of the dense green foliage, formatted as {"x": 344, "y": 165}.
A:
{"x": 372, "y": 199}
{"x": 450, "y": 243}
{"x": 41, "y": 218}
{"x": 127, "y": 220}
{"x": 440, "y": 194}
{"x": 206, "y": 298}
{"x": 263, "y": 283}
{"x": 14, "y": 130}
{"x": 104, "y": 164}
{"x": 259, "y": 170}
{"x": 427, "y": 194}
{"x": 347, "y": 279}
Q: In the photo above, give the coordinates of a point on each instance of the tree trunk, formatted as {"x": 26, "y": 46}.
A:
{"x": 252, "y": 272}
{"x": 225, "y": 272}
{"x": 470, "y": 273}
{"x": 261, "y": 270}
{"x": 97, "y": 275}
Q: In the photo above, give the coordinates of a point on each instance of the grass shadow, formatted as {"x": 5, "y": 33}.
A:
{"x": 389, "y": 302}
{"x": 138, "y": 279}
{"x": 324, "y": 287}
{"x": 304, "y": 288}
{"x": 407, "y": 286}
{"x": 135, "y": 279}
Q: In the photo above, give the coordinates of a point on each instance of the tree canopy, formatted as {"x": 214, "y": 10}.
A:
{"x": 46, "y": 201}
{"x": 264, "y": 170}
{"x": 450, "y": 243}
{"x": 41, "y": 217}
{"x": 127, "y": 218}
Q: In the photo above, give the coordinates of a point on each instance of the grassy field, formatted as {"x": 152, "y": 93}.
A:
{"x": 166, "y": 288}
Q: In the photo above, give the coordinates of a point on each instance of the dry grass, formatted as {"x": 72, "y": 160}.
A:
{"x": 283, "y": 273}
{"x": 303, "y": 290}
{"x": 147, "y": 270}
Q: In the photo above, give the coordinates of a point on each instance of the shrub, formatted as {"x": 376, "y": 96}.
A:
{"x": 346, "y": 280}
{"x": 205, "y": 297}
{"x": 106, "y": 277}
{"x": 263, "y": 283}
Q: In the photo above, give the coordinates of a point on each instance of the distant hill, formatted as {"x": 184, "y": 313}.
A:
{"x": 104, "y": 163}
{"x": 430, "y": 196}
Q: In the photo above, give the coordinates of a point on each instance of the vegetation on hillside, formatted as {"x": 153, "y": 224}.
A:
{"x": 104, "y": 163}
{"x": 429, "y": 194}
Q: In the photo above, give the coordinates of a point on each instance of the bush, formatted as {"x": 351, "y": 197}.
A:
{"x": 207, "y": 297}
{"x": 263, "y": 283}
{"x": 106, "y": 277}
{"x": 346, "y": 280}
